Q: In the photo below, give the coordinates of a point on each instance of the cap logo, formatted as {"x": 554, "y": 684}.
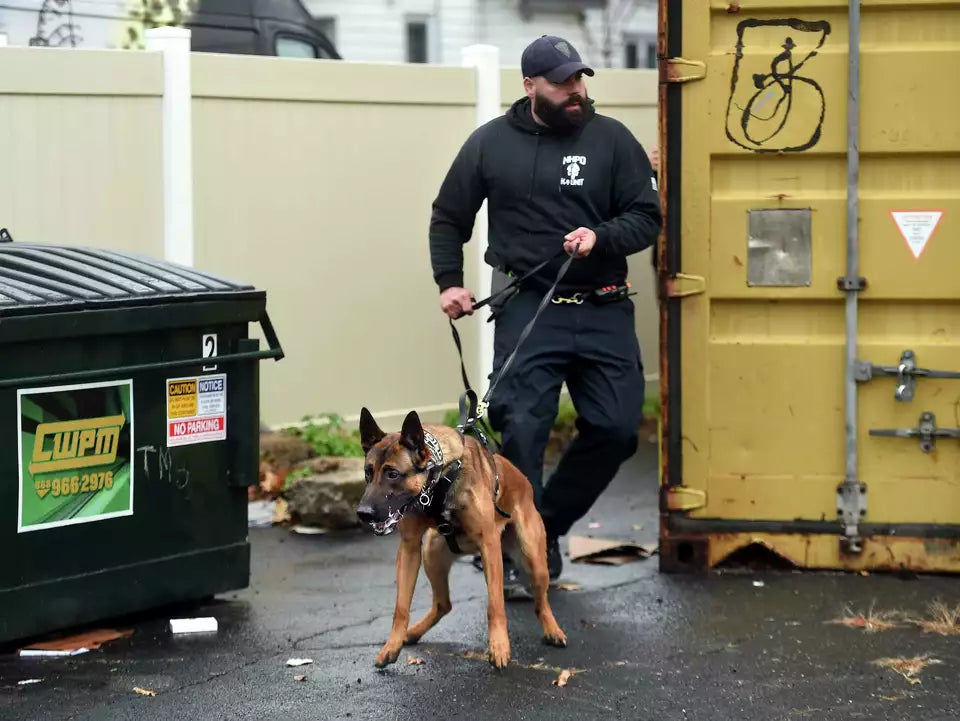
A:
{"x": 563, "y": 48}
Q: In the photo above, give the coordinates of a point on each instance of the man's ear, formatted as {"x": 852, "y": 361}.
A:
{"x": 411, "y": 435}
{"x": 370, "y": 433}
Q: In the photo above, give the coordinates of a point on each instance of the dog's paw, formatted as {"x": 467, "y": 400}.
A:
{"x": 555, "y": 638}
{"x": 499, "y": 653}
{"x": 388, "y": 654}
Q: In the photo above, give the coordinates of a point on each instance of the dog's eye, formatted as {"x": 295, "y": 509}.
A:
{"x": 392, "y": 474}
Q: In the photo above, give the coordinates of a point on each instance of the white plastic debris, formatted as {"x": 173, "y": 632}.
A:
{"x": 26, "y": 652}
{"x": 206, "y": 624}
{"x": 758, "y": 584}
{"x": 27, "y": 681}
{"x": 299, "y": 661}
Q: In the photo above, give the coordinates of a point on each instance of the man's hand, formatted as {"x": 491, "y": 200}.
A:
{"x": 585, "y": 237}
{"x": 456, "y": 302}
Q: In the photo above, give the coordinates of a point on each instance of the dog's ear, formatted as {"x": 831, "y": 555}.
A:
{"x": 411, "y": 435}
{"x": 370, "y": 433}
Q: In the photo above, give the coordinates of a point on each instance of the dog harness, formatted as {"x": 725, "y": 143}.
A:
{"x": 435, "y": 499}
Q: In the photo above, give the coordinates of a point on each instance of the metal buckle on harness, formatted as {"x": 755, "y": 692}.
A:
{"x": 575, "y": 299}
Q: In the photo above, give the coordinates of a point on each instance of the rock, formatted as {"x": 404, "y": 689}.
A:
{"x": 283, "y": 451}
{"x": 325, "y": 464}
{"x": 327, "y": 500}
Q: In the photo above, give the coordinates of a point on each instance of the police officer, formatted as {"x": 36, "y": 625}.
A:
{"x": 557, "y": 175}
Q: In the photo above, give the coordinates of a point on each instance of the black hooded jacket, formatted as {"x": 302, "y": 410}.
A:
{"x": 541, "y": 184}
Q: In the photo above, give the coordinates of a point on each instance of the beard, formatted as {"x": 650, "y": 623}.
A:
{"x": 568, "y": 115}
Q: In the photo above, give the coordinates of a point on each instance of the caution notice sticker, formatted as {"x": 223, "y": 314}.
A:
{"x": 916, "y": 227}
{"x": 196, "y": 409}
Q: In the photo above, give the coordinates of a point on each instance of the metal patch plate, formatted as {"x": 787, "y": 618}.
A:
{"x": 779, "y": 251}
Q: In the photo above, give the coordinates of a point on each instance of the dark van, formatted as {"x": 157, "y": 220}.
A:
{"x": 258, "y": 27}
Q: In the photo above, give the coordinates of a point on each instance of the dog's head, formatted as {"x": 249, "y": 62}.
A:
{"x": 395, "y": 470}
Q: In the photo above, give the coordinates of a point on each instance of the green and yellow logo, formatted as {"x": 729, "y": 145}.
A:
{"x": 76, "y": 444}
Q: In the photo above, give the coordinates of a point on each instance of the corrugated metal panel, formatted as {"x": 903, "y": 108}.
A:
{"x": 757, "y": 431}
{"x": 51, "y": 277}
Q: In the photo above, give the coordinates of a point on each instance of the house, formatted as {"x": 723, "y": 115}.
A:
{"x": 607, "y": 33}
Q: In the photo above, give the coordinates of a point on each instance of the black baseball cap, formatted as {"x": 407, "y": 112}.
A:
{"x": 553, "y": 58}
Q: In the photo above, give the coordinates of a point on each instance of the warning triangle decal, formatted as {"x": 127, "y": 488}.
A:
{"x": 916, "y": 227}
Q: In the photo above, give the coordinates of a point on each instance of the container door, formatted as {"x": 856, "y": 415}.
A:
{"x": 755, "y": 280}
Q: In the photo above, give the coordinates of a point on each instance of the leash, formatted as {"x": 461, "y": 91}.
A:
{"x": 473, "y": 411}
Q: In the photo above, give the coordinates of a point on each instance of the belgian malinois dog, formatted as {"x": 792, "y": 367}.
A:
{"x": 437, "y": 482}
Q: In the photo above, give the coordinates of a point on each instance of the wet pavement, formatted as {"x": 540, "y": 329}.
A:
{"x": 644, "y": 645}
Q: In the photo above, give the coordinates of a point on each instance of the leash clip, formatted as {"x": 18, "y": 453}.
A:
{"x": 425, "y": 499}
{"x": 575, "y": 299}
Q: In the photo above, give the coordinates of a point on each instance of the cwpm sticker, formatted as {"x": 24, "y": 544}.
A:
{"x": 75, "y": 449}
{"x": 196, "y": 409}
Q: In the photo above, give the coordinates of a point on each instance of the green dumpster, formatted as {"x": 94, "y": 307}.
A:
{"x": 129, "y": 424}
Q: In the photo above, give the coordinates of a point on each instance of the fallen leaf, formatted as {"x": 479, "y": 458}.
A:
{"x": 864, "y": 573}
{"x": 562, "y": 679}
{"x": 637, "y": 526}
{"x": 144, "y": 691}
{"x": 475, "y": 655}
{"x": 908, "y": 667}
{"x": 413, "y": 661}
{"x": 568, "y": 586}
{"x": 299, "y": 661}
{"x": 300, "y": 678}
{"x": 621, "y": 663}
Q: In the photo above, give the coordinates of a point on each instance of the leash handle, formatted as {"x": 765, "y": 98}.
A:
{"x": 515, "y": 282}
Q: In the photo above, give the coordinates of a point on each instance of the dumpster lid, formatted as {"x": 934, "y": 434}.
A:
{"x": 53, "y": 278}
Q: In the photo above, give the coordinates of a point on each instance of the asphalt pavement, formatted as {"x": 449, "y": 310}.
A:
{"x": 642, "y": 645}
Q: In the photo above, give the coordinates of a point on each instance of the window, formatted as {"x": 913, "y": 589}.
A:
{"x": 417, "y": 41}
{"x": 652, "y": 55}
{"x": 291, "y": 47}
{"x": 639, "y": 52}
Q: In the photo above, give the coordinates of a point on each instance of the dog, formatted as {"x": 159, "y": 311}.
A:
{"x": 436, "y": 482}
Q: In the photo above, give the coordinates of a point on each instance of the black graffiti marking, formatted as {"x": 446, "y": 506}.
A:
{"x": 782, "y": 79}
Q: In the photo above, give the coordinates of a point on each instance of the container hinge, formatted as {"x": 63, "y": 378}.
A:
{"x": 851, "y": 509}
{"x": 906, "y": 372}
{"x": 926, "y": 431}
{"x": 681, "y": 285}
{"x": 681, "y": 498}
{"x": 682, "y": 70}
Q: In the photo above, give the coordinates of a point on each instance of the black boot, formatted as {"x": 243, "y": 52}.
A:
{"x": 554, "y": 559}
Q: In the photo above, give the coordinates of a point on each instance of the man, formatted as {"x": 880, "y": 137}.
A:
{"x": 557, "y": 176}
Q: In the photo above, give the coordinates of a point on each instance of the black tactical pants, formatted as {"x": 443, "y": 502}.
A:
{"x": 594, "y": 349}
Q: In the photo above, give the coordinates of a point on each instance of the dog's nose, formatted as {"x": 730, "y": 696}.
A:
{"x": 365, "y": 513}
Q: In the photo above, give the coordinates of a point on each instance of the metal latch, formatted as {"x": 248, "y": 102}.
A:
{"x": 682, "y": 70}
{"x": 681, "y": 498}
{"x": 906, "y": 373}
{"x": 851, "y": 508}
{"x": 681, "y": 285}
{"x": 926, "y": 431}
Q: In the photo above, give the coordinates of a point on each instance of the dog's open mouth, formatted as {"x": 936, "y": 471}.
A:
{"x": 384, "y": 528}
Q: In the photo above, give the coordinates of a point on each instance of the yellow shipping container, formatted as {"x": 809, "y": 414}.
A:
{"x": 810, "y": 282}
